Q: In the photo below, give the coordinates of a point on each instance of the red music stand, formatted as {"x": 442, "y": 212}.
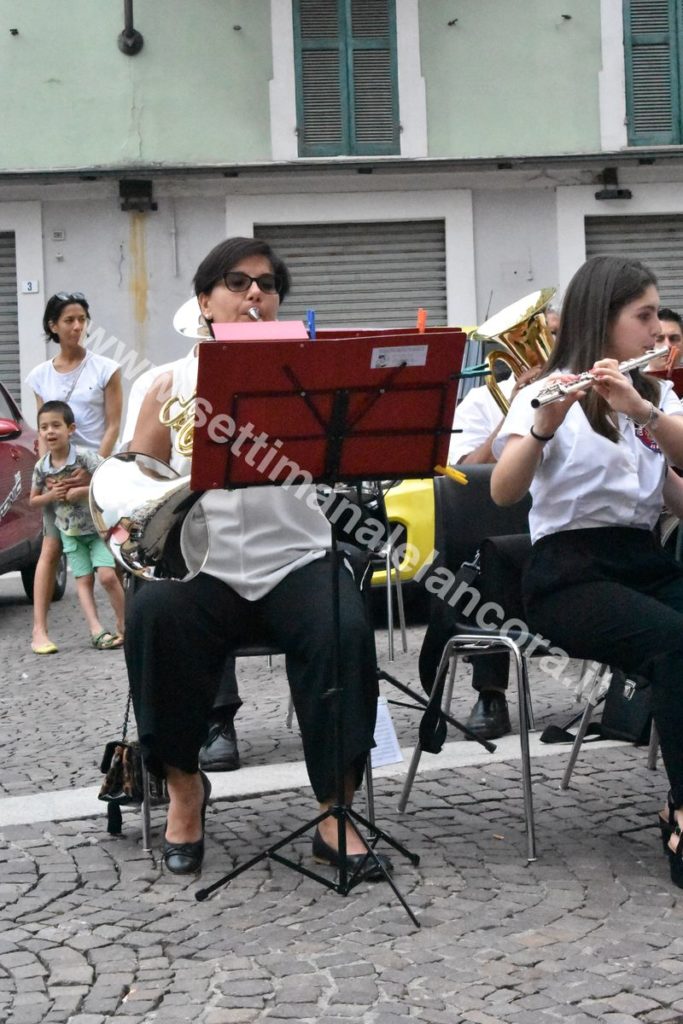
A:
{"x": 343, "y": 409}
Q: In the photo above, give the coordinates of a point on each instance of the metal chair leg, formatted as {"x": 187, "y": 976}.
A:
{"x": 653, "y": 747}
{"x": 417, "y": 752}
{"x": 369, "y": 790}
{"x": 399, "y": 598}
{"x": 390, "y": 603}
{"x": 145, "y": 811}
{"x": 523, "y": 698}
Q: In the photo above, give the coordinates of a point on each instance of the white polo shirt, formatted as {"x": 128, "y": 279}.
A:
{"x": 585, "y": 480}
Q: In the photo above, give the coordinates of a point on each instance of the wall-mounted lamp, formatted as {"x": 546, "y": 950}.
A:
{"x": 136, "y": 195}
{"x": 611, "y": 190}
{"x": 130, "y": 41}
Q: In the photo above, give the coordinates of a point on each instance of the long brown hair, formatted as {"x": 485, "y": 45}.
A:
{"x": 595, "y": 296}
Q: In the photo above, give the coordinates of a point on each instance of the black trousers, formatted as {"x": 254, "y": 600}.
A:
{"x": 613, "y": 595}
{"x": 179, "y": 635}
{"x": 227, "y": 701}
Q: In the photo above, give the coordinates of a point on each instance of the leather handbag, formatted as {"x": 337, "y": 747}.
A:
{"x": 627, "y": 713}
{"x": 123, "y": 780}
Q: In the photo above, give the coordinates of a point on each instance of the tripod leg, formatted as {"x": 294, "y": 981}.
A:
{"x": 487, "y": 744}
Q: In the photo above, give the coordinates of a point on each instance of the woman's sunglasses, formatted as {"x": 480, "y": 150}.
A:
{"x": 236, "y": 281}
{"x": 70, "y": 297}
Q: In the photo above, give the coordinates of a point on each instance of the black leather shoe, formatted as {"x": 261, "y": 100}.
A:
{"x": 186, "y": 858}
{"x": 220, "y": 753}
{"x": 489, "y": 717}
{"x": 325, "y": 854}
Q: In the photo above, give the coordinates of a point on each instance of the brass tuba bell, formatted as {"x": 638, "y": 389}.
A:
{"x": 139, "y": 504}
{"x": 523, "y": 335}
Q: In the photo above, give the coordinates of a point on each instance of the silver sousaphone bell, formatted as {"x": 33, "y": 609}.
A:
{"x": 139, "y": 504}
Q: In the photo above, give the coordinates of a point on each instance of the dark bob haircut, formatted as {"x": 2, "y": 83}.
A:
{"x": 62, "y": 408}
{"x": 226, "y": 255}
{"x": 56, "y": 304}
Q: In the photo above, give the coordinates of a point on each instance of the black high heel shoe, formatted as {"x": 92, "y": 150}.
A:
{"x": 323, "y": 853}
{"x": 186, "y": 858}
{"x": 669, "y": 827}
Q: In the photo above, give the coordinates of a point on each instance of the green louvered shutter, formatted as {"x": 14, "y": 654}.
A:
{"x": 652, "y": 71}
{"x": 345, "y": 55}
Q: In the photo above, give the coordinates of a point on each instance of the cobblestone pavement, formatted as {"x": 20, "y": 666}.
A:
{"x": 92, "y": 930}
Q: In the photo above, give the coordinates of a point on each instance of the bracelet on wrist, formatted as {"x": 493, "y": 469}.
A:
{"x": 540, "y": 437}
{"x": 652, "y": 417}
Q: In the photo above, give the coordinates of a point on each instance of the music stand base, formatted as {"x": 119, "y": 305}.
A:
{"x": 346, "y": 881}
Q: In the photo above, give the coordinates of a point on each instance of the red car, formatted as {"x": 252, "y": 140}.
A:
{"x": 21, "y": 527}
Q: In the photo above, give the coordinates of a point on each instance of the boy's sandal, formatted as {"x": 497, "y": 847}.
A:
{"x": 105, "y": 641}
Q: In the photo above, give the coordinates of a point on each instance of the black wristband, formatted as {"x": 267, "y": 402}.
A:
{"x": 540, "y": 437}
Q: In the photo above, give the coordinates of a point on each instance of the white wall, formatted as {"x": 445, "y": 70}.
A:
{"x": 24, "y": 219}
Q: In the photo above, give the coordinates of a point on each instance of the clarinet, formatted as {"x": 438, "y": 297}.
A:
{"x": 559, "y": 389}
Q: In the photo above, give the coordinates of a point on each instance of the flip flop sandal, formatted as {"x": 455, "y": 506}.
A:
{"x": 103, "y": 641}
{"x": 117, "y": 642}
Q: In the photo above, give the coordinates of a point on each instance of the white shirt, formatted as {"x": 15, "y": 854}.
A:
{"x": 136, "y": 398}
{"x": 477, "y": 416}
{"x": 256, "y": 535}
{"x": 87, "y": 398}
{"x": 585, "y": 480}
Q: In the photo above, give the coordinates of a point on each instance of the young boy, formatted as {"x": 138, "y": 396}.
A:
{"x": 85, "y": 550}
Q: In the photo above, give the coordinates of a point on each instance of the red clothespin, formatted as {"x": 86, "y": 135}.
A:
{"x": 421, "y": 320}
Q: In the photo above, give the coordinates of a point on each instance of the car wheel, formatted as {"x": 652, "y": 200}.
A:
{"x": 28, "y": 576}
{"x": 60, "y": 581}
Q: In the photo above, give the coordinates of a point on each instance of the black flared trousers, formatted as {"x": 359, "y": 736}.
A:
{"x": 179, "y": 635}
{"x": 613, "y": 595}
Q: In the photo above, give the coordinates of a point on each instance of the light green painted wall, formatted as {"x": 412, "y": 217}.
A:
{"x": 511, "y": 77}
{"x": 197, "y": 93}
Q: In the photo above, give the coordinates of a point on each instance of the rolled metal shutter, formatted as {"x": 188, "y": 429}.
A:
{"x": 363, "y": 275}
{"x": 657, "y": 240}
{"x": 10, "y": 374}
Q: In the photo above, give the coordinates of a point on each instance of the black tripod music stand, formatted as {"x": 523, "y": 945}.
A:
{"x": 346, "y": 409}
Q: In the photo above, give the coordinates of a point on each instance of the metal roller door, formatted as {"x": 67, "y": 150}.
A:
{"x": 9, "y": 327}
{"x": 363, "y": 275}
{"x": 656, "y": 240}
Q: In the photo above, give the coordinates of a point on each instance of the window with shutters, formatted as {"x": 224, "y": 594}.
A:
{"x": 653, "y": 48}
{"x": 345, "y": 54}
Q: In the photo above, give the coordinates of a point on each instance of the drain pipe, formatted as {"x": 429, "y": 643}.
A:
{"x": 130, "y": 41}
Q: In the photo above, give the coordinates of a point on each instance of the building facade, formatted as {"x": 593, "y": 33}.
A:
{"x": 448, "y": 154}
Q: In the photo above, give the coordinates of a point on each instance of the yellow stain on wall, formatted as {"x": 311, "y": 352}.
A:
{"x": 139, "y": 284}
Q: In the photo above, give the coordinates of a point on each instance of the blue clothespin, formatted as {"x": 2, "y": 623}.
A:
{"x": 310, "y": 321}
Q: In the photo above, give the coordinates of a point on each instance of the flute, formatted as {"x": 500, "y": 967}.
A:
{"x": 560, "y": 389}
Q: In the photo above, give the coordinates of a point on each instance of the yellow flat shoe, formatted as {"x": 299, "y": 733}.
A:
{"x": 48, "y": 648}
